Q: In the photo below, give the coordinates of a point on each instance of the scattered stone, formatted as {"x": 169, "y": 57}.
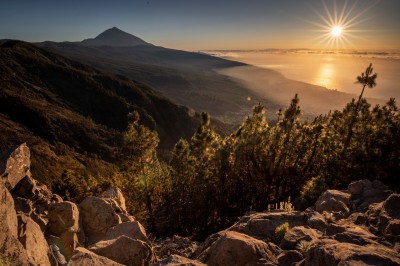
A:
{"x": 176, "y": 245}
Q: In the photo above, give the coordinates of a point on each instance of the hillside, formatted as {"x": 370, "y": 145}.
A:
{"x": 187, "y": 78}
{"x": 50, "y": 99}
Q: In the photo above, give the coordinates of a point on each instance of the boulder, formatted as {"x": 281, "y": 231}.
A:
{"x": 357, "y": 187}
{"x": 346, "y": 232}
{"x": 263, "y": 225}
{"x": 116, "y": 194}
{"x": 333, "y": 201}
{"x": 11, "y": 249}
{"x": 63, "y": 216}
{"x": 330, "y": 252}
{"x": 31, "y": 237}
{"x": 315, "y": 220}
{"x": 176, "y": 260}
{"x": 14, "y": 165}
{"x": 97, "y": 217}
{"x": 125, "y": 250}
{"x": 296, "y": 234}
{"x": 23, "y": 205}
{"x": 233, "y": 248}
{"x": 133, "y": 230}
{"x": 364, "y": 193}
{"x": 289, "y": 257}
{"x": 84, "y": 257}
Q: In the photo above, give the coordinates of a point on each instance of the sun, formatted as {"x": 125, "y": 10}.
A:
{"x": 336, "y": 31}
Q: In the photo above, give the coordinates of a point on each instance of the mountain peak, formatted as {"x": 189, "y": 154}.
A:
{"x": 114, "y": 37}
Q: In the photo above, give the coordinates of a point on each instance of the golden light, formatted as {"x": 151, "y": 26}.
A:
{"x": 336, "y": 31}
{"x": 337, "y": 25}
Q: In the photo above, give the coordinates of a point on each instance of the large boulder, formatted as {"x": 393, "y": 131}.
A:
{"x": 233, "y": 248}
{"x": 11, "y": 249}
{"x": 176, "y": 260}
{"x": 330, "y": 252}
{"x": 84, "y": 257}
{"x": 33, "y": 240}
{"x": 63, "y": 216}
{"x": 125, "y": 250}
{"x": 364, "y": 193}
{"x": 97, "y": 217}
{"x": 116, "y": 194}
{"x": 296, "y": 234}
{"x": 263, "y": 225}
{"x": 315, "y": 220}
{"x": 14, "y": 165}
{"x": 133, "y": 230}
{"x": 333, "y": 201}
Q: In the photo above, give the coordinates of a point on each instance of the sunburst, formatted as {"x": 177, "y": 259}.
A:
{"x": 339, "y": 25}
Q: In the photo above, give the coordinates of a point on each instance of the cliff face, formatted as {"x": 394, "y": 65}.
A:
{"x": 358, "y": 226}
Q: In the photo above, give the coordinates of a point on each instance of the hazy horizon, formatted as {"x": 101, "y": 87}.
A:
{"x": 211, "y": 25}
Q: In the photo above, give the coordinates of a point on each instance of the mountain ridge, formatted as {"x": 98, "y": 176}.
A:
{"x": 114, "y": 37}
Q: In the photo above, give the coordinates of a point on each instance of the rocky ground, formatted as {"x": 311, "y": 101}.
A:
{"x": 359, "y": 226}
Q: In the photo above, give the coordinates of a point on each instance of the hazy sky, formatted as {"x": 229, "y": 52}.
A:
{"x": 207, "y": 24}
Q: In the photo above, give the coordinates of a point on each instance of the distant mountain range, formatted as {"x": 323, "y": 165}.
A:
{"x": 187, "y": 78}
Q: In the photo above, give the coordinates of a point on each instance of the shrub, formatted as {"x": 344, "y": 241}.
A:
{"x": 281, "y": 230}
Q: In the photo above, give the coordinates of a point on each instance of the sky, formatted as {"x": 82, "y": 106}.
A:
{"x": 210, "y": 24}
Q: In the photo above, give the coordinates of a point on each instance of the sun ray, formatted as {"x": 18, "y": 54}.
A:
{"x": 337, "y": 23}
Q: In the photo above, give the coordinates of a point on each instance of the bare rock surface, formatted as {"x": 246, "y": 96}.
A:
{"x": 133, "y": 230}
{"x": 116, "y": 194}
{"x": 175, "y": 245}
{"x": 84, "y": 257}
{"x": 331, "y": 253}
{"x": 125, "y": 250}
{"x": 296, "y": 234}
{"x": 31, "y": 237}
{"x": 233, "y": 248}
{"x": 176, "y": 260}
{"x": 97, "y": 217}
{"x": 333, "y": 201}
{"x": 14, "y": 165}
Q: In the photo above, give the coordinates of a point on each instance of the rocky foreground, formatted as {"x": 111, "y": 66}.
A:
{"x": 359, "y": 226}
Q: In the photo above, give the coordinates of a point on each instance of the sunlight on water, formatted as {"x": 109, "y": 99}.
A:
{"x": 326, "y": 74}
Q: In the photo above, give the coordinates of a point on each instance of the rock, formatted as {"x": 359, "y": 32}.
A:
{"x": 133, "y": 230}
{"x": 331, "y": 253}
{"x": 350, "y": 233}
{"x": 264, "y": 224}
{"x": 14, "y": 165}
{"x": 23, "y": 205}
{"x": 97, "y": 217}
{"x": 63, "y": 216}
{"x": 176, "y": 260}
{"x": 315, "y": 220}
{"x": 233, "y": 248}
{"x": 124, "y": 250}
{"x": 175, "y": 245}
{"x": 289, "y": 257}
{"x": 125, "y": 217}
{"x": 333, "y": 201}
{"x": 357, "y": 187}
{"x": 116, "y": 194}
{"x": 296, "y": 234}
{"x": 57, "y": 249}
{"x": 11, "y": 249}
{"x": 84, "y": 257}
{"x": 31, "y": 237}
